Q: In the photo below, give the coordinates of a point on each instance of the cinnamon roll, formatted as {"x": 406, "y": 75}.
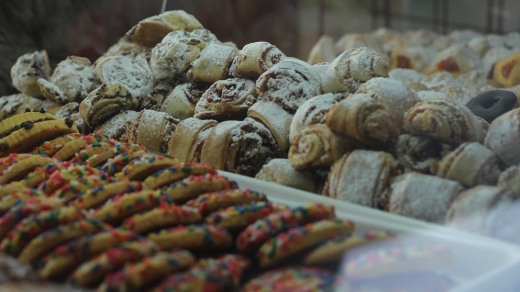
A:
{"x": 226, "y": 100}
{"x": 503, "y": 136}
{"x": 363, "y": 118}
{"x": 417, "y": 153}
{"x": 241, "y": 147}
{"x": 444, "y": 120}
{"x": 117, "y": 127}
{"x": 155, "y": 99}
{"x": 28, "y": 69}
{"x": 316, "y": 146}
{"x": 188, "y": 139}
{"x": 289, "y": 83}
{"x": 254, "y": 59}
{"x": 275, "y": 118}
{"x": 152, "y": 130}
{"x": 180, "y": 103}
{"x": 212, "y": 64}
{"x": 281, "y": 171}
{"x": 323, "y": 51}
{"x": 313, "y": 111}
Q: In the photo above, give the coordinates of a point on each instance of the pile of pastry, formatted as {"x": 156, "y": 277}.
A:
{"x": 98, "y": 212}
{"x": 426, "y": 52}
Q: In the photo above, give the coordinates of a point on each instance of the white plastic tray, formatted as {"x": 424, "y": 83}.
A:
{"x": 480, "y": 263}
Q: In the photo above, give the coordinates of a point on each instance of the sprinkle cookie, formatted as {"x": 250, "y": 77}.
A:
{"x": 238, "y": 217}
{"x": 193, "y": 237}
{"x": 262, "y": 230}
{"x": 70, "y": 149}
{"x": 18, "y": 170}
{"x": 298, "y": 239}
{"x": 11, "y": 159}
{"x": 301, "y": 279}
{"x": 127, "y": 205}
{"x": 99, "y": 195}
{"x": 50, "y": 148}
{"x": 146, "y": 165}
{"x": 41, "y": 174}
{"x": 62, "y": 177}
{"x": 175, "y": 173}
{"x": 195, "y": 185}
{"x": 76, "y": 187}
{"x": 211, "y": 202}
{"x": 13, "y": 187}
{"x": 163, "y": 216}
{"x": 116, "y": 164}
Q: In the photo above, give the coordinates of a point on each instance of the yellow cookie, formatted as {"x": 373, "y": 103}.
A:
{"x": 99, "y": 153}
{"x": 17, "y": 199}
{"x": 50, "y": 239}
{"x": 193, "y": 237}
{"x": 41, "y": 174}
{"x": 91, "y": 273}
{"x": 17, "y": 122}
{"x": 135, "y": 277}
{"x": 195, "y": 185}
{"x": 288, "y": 244}
{"x": 128, "y": 204}
{"x": 76, "y": 187}
{"x": 29, "y": 228}
{"x": 25, "y": 140}
{"x": 116, "y": 164}
{"x": 163, "y": 216}
{"x": 62, "y": 177}
{"x": 11, "y": 159}
{"x": 68, "y": 256}
{"x": 99, "y": 195}
{"x": 49, "y": 148}
{"x": 70, "y": 149}
{"x": 22, "y": 168}
{"x": 177, "y": 172}
{"x": 13, "y": 187}
{"x": 146, "y": 165}
{"x": 211, "y": 202}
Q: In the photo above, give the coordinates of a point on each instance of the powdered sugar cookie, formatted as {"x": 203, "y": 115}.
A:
{"x": 162, "y": 217}
{"x": 292, "y": 279}
{"x": 256, "y": 234}
{"x": 213, "y": 201}
{"x": 193, "y": 186}
{"x": 298, "y": 239}
{"x": 193, "y": 237}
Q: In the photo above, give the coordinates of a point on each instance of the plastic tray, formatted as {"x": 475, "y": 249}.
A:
{"x": 480, "y": 263}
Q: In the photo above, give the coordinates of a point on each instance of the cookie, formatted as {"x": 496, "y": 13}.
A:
{"x": 193, "y": 237}
{"x": 145, "y": 165}
{"x": 116, "y": 164}
{"x": 20, "y": 236}
{"x": 93, "y": 150}
{"x": 127, "y": 205}
{"x": 213, "y": 201}
{"x": 262, "y": 230}
{"x": 62, "y": 177}
{"x": 292, "y": 279}
{"x": 70, "y": 149}
{"x": 20, "y": 169}
{"x": 238, "y": 217}
{"x": 28, "y": 208}
{"x": 41, "y": 174}
{"x": 92, "y": 156}
{"x": 135, "y": 277}
{"x": 50, "y": 239}
{"x": 6, "y": 162}
{"x": 177, "y": 172}
{"x": 163, "y": 216}
{"x": 333, "y": 250}
{"x": 394, "y": 260}
{"x": 23, "y": 120}
{"x": 76, "y": 187}
{"x": 68, "y": 256}
{"x": 195, "y": 185}
{"x": 290, "y": 243}
{"x": 97, "y": 196}
{"x": 17, "y": 199}
{"x": 91, "y": 273}
{"x": 32, "y": 135}
{"x": 51, "y": 147}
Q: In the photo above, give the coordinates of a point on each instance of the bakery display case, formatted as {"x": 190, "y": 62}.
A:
{"x": 261, "y": 146}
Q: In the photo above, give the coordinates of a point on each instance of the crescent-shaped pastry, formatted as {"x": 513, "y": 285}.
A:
{"x": 275, "y": 118}
{"x": 188, "y": 139}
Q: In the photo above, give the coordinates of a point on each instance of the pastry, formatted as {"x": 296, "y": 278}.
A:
{"x": 356, "y": 40}
{"x": 150, "y": 31}
{"x": 323, "y": 51}
{"x": 116, "y": 127}
{"x": 492, "y": 104}
{"x": 456, "y": 59}
{"x": 152, "y": 130}
{"x": 213, "y": 201}
{"x": 135, "y": 277}
{"x": 70, "y": 111}
{"x": 506, "y": 71}
{"x": 188, "y": 139}
{"x": 238, "y": 146}
{"x": 254, "y": 59}
{"x": 28, "y": 69}
{"x": 281, "y": 171}
{"x": 421, "y": 196}
{"x": 275, "y": 118}
{"x": 316, "y": 146}
{"x": 238, "y": 217}
{"x": 509, "y": 179}
{"x": 195, "y": 185}
{"x": 72, "y": 80}
{"x": 134, "y": 74}
{"x": 124, "y": 47}
{"x": 417, "y": 153}
{"x": 444, "y": 120}
{"x": 256, "y": 234}
{"x": 212, "y": 64}
{"x": 177, "y": 172}
{"x": 295, "y": 240}
{"x": 503, "y": 135}
{"x": 17, "y": 104}
{"x": 333, "y": 250}
{"x": 363, "y": 118}
{"x": 155, "y": 99}
{"x": 106, "y": 102}
{"x": 227, "y": 99}
{"x": 470, "y": 164}
{"x": 394, "y": 95}
{"x": 193, "y": 237}
{"x": 163, "y": 216}
{"x": 313, "y": 111}
{"x": 347, "y": 183}
{"x": 48, "y": 106}
{"x": 407, "y": 76}
{"x": 417, "y": 58}
{"x": 181, "y": 102}
{"x": 289, "y": 83}
{"x": 291, "y": 279}
{"x": 439, "y": 80}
